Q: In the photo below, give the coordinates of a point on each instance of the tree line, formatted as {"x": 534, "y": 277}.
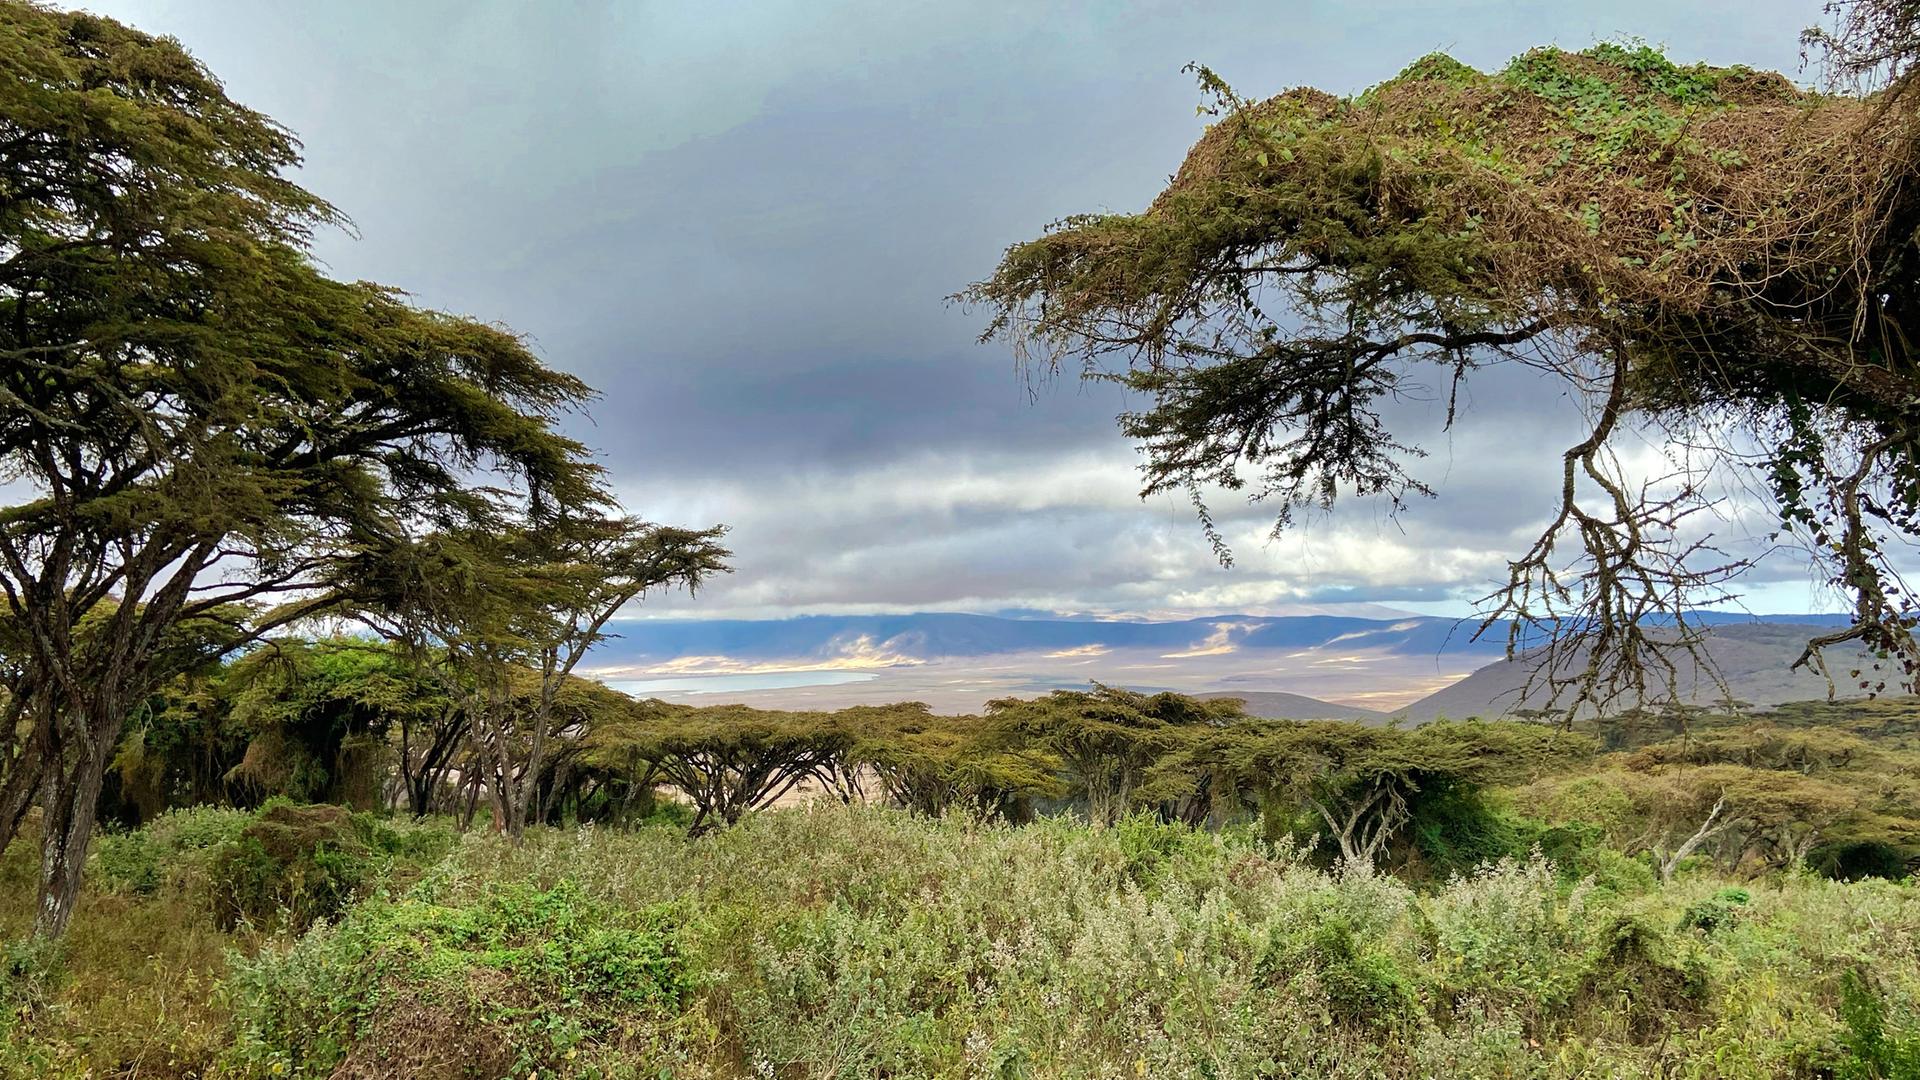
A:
{"x": 365, "y": 723}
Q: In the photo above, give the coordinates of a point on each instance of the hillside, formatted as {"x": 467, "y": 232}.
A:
{"x": 1755, "y": 659}
{"x": 1278, "y": 705}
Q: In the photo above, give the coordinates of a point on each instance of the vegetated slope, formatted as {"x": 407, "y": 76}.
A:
{"x": 1755, "y": 660}
{"x": 1279, "y": 705}
{"x": 827, "y": 942}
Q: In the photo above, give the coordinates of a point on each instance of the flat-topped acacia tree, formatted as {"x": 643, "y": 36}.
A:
{"x": 1109, "y": 739}
{"x": 1710, "y": 251}
{"x": 510, "y": 609}
{"x": 198, "y": 417}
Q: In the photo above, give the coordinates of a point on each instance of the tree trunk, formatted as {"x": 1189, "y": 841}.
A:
{"x": 18, "y": 792}
{"x": 21, "y": 773}
{"x": 1700, "y": 836}
{"x": 472, "y": 784}
{"x": 499, "y": 793}
{"x": 72, "y": 800}
{"x": 424, "y": 781}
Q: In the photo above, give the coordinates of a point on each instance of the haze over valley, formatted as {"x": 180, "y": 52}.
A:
{"x": 1382, "y": 663}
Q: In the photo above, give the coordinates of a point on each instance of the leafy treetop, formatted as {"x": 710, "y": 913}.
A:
{"x": 1714, "y": 250}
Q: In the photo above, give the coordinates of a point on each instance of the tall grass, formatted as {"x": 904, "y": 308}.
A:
{"x": 838, "y": 942}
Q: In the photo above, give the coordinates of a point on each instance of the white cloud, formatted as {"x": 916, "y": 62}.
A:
{"x": 860, "y": 654}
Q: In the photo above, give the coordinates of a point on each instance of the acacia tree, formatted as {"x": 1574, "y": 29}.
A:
{"x": 1764, "y": 794}
{"x": 1777, "y": 792}
{"x": 1361, "y": 782}
{"x": 1713, "y": 252}
{"x": 432, "y": 729}
{"x": 513, "y": 608}
{"x": 726, "y": 760}
{"x": 1109, "y": 740}
{"x": 199, "y": 417}
{"x": 318, "y": 717}
{"x": 931, "y": 764}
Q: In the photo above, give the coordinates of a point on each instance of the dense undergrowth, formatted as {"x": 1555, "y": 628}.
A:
{"x": 852, "y": 942}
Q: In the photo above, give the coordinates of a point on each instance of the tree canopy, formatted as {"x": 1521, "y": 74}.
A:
{"x": 207, "y": 425}
{"x": 1714, "y": 251}
{"x": 1109, "y": 739}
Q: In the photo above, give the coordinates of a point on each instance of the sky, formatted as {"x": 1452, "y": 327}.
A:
{"x": 739, "y": 222}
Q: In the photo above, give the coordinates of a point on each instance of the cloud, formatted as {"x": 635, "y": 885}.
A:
{"x": 1396, "y": 628}
{"x": 740, "y": 225}
{"x": 860, "y": 654}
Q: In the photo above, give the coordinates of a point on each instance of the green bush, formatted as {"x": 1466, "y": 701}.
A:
{"x": 1715, "y": 911}
{"x": 1361, "y": 984}
{"x": 856, "y": 942}
{"x": 1613, "y": 876}
{"x": 1879, "y": 1046}
{"x": 293, "y": 865}
{"x": 1458, "y": 828}
{"x": 1641, "y": 979}
{"x": 523, "y": 981}
{"x": 174, "y": 850}
{"x": 1152, "y": 850}
{"x": 29, "y": 968}
{"x": 1862, "y": 859}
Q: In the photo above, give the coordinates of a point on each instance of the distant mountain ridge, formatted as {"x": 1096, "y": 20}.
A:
{"x": 1275, "y": 705}
{"x": 930, "y": 635}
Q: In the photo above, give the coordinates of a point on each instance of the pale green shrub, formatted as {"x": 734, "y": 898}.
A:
{"x": 837, "y": 942}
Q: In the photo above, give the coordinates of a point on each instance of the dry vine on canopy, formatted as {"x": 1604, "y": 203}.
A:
{"x": 1712, "y": 253}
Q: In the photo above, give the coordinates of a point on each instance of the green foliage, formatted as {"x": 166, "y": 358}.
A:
{"x": 934, "y": 764}
{"x": 523, "y": 980}
{"x": 1878, "y": 1049}
{"x": 1706, "y": 248}
{"x": 200, "y": 421}
{"x": 1828, "y": 786}
{"x": 864, "y": 941}
{"x": 1456, "y": 829}
{"x": 727, "y": 760}
{"x": 1109, "y": 741}
{"x": 512, "y": 608}
{"x": 29, "y": 970}
{"x": 293, "y": 865}
{"x": 1715, "y": 911}
{"x": 1344, "y": 964}
{"x": 1364, "y": 784}
{"x": 174, "y": 850}
{"x": 317, "y": 715}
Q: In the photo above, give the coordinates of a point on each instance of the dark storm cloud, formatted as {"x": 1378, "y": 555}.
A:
{"x": 739, "y": 220}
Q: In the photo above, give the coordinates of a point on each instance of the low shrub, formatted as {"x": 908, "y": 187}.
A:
{"x": 1715, "y": 911}
{"x": 1361, "y": 983}
{"x": 29, "y": 969}
{"x": 1642, "y": 981}
{"x": 1457, "y": 828}
{"x": 855, "y": 942}
{"x": 525, "y": 981}
{"x": 1880, "y": 1044}
{"x": 174, "y": 850}
{"x": 293, "y": 865}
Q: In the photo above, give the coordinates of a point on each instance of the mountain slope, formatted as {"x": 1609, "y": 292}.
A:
{"x": 1755, "y": 659}
{"x": 1277, "y": 705}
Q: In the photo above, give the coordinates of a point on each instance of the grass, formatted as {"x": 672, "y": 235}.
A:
{"x": 864, "y": 942}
